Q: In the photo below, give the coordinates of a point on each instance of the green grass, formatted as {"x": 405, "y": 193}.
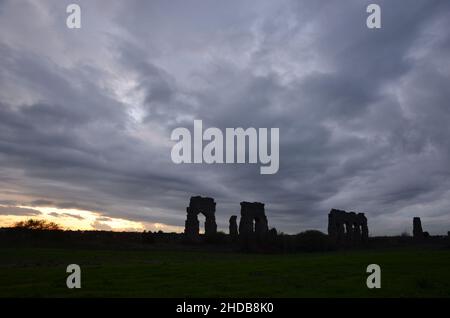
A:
{"x": 137, "y": 273}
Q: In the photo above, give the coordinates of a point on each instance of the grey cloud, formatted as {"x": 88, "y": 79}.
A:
{"x": 363, "y": 114}
{"x": 101, "y": 226}
{"x": 13, "y": 210}
{"x": 103, "y": 219}
{"x": 71, "y": 215}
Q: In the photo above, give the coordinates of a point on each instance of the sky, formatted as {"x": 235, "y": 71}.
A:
{"x": 86, "y": 114}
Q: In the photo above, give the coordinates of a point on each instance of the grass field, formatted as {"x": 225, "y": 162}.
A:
{"x": 137, "y": 273}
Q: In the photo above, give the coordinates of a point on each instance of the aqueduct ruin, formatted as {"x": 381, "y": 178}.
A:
{"x": 205, "y": 206}
{"x": 343, "y": 227}
{"x": 347, "y": 226}
{"x": 253, "y": 221}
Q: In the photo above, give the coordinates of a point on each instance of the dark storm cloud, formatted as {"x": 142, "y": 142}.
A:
{"x": 85, "y": 120}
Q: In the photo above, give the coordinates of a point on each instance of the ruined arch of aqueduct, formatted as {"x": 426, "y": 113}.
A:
{"x": 342, "y": 226}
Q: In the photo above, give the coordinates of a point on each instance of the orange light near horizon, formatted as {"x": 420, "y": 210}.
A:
{"x": 75, "y": 219}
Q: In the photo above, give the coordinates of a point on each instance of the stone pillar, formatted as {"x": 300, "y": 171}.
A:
{"x": 210, "y": 224}
{"x": 364, "y": 227}
{"x": 261, "y": 226}
{"x": 233, "y": 227}
{"x": 192, "y": 226}
{"x": 333, "y": 227}
{"x": 417, "y": 228}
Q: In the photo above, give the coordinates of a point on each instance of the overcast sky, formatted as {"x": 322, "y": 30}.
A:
{"x": 364, "y": 115}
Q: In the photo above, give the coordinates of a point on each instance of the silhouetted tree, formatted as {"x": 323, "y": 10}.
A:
{"x": 32, "y": 224}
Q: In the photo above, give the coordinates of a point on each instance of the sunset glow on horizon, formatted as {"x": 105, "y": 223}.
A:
{"x": 77, "y": 219}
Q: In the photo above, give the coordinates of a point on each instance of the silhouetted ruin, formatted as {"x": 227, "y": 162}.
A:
{"x": 253, "y": 222}
{"x": 233, "y": 227}
{"x": 347, "y": 227}
{"x": 417, "y": 228}
{"x": 205, "y": 206}
{"x": 418, "y": 232}
{"x": 345, "y": 230}
{"x": 251, "y": 234}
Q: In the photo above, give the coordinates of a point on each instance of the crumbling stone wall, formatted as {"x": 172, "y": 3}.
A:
{"x": 253, "y": 222}
{"x": 233, "y": 227}
{"x": 347, "y": 226}
{"x": 205, "y": 206}
{"x": 417, "y": 228}
{"x": 418, "y": 232}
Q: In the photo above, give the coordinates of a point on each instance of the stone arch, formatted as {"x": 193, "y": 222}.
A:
{"x": 253, "y": 220}
{"x": 200, "y": 205}
{"x": 347, "y": 226}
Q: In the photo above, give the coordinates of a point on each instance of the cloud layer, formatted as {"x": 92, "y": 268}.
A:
{"x": 86, "y": 115}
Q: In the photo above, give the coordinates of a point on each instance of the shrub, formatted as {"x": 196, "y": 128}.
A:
{"x": 312, "y": 241}
{"x": 32, "y": 224}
